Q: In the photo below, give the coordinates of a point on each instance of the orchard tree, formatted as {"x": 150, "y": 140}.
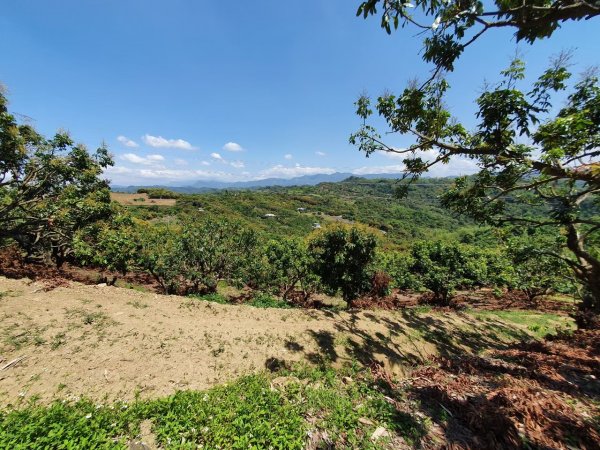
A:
{"x": 444, "y": 267}
{"x": 534, "y": 271}
{"x": 342, "y": 257}
{"x": 289, "y": 267}
{"x": 49, "y": 188}
{"x": 397, "y": 265}
{"x": 111, "y": 244}
{"x": 525, "y": 152}
{"x": 213, "y": 250}
{"x": 545, "y": 162}
{"x": 158, "y": 253}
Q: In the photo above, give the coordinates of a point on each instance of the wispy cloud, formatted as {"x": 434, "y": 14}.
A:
{"x": 161, "y": 142}
{"x": 127, "y": 142}
{"x": 148, "y": 160}
{"x": 294, "y": 171}
{"x": 126, "y": 175}
{"x": 233, "y": 147}
{"x": 235, "y": 164}
{"x": 320, "y": 153}
{"x": 288, "y": 156}
{"x": 371, "y": 170}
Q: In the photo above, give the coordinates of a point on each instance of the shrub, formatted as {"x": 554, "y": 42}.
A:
{"x": 287, "y": 267}
{"x": 444, "y": 267}
{"x": 158, "y": 193}
{"x": 534, "y": 270}
{"x": 341, "y": 257}
{"x": 398, "y": 267}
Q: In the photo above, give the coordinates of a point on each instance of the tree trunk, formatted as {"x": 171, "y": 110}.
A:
{"x": 588, "y": 273}
{"x": 591, "y": 297}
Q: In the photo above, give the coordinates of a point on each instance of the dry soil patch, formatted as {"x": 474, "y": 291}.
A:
{"x": 108, "y": 342}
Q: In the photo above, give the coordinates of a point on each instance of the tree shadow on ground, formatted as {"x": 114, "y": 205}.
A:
{"x": 520, "y": 390}
{"x": 470, "y": 336}
{"x": 402, "y": 342}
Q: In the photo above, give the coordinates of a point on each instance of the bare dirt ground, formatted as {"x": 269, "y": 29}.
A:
{"x": 134, "y": 200}
{"x": 107, "y": 342}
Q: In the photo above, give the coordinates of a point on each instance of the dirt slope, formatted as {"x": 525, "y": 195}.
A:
{"x": 106, "y": 342}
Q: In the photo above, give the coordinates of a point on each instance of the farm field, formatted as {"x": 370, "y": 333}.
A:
{"x": 116, "y": 346}
{"x": 300, "y": 225}
{"x": 140, "y": 200}
{"x": 98, "y": 340}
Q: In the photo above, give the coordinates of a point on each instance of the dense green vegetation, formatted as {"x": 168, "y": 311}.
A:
{"x": 368, "y": 202}
{"x": 257, "y": 411}
{"x": 158, "y": 193}
{"x": 556, "y": 174}
{"x": 49, "y": 189}
{"x": 349, "y": 238}
{"x": 192, "y": 253}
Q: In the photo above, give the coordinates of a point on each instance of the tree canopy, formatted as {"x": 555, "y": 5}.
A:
{"x": 49, "y": 188}
{"x": 525, "y": 150}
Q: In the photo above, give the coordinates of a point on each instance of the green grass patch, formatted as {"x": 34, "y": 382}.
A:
{"x": 537, "y": 324}
{"x": 275, "y": 411}
{"x": 214, "y": 298}
{"x": 267, "y": 301}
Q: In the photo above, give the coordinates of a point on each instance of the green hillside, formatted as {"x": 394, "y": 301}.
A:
{"x": 296, "y": 209}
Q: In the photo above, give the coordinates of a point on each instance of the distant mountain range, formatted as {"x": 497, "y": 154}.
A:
{"x": 203, "y": 186}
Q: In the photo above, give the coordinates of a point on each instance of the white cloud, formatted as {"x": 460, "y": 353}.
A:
{"x": 127, "y": 142}
{"x": 161, "y": 142}
{"x": 181, "y": 162}
{"x": 233, "y": 147}
{"x": 294, "y": 171}
{"x": 118, "y": 170}
{"x": 205, "y": 163}
{"x": 370, "y": 170}
{"x": 136, "y": 159}
{"x": 179, "y": 177}
{"x": 235, "y": 164}
{"x": 320, "y": 153}
{"x": 133, "y": 158}
{"x": 288, "y": 156}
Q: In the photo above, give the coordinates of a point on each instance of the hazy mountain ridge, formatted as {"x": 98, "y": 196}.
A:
{"x": 204, "y": 186}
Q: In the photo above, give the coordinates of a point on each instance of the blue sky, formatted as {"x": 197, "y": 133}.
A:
{"x": 193, "y": 90}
